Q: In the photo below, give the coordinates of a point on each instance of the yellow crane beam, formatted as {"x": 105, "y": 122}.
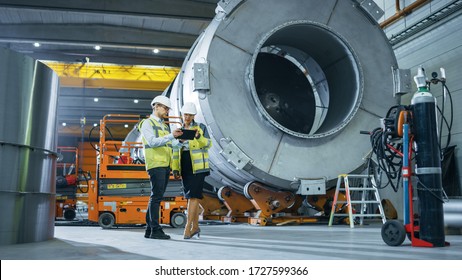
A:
{"x": 113, "y": 84}
{"x": 99, "y": 75}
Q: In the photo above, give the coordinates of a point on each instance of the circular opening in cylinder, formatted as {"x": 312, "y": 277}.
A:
{"x": 306, "y": 81}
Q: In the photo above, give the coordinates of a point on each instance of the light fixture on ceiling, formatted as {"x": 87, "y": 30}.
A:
{"x": 97, "y": 47}
{"x": 64, "y": 124}
{"x": 36, "y": 44}
{"x": 155, "y": 51}
{"x": 126, "y": 126}
{"x": 95, "y": 124}
{"x": 135, "y": 101}
{"x": 96, "y": 99}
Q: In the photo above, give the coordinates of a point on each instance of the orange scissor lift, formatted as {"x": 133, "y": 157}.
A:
{"x": 120, "y": 193}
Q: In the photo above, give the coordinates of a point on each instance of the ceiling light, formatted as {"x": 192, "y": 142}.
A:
{"x": 155, "y": 50}
{"x": 95, "y": 124}
{"x": 36, "y": 44}
{"x": 135, "y": 101}
{"x": 64, "y": 124}
{"x": 96, "y": 99}
{"x": 97, "y": 47}
{"x": 126, "y": 125}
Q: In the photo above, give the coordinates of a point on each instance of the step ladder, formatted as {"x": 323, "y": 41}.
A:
{"x": 363, "y": 185}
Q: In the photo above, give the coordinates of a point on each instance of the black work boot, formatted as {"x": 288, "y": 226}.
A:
{"x": 159, "y": 234}
{"x": 147, "y": 233}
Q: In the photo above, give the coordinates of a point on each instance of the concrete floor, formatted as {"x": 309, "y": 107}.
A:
{"x": 228, "y": 242}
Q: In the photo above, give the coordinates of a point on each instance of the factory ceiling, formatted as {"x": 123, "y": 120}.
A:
{"x": 120, "y": 53}
{"x": 126, "y": 31}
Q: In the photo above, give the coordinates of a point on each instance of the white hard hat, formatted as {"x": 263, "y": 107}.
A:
{"x": 189, "y": 108}
{"x": 162, "y": 100}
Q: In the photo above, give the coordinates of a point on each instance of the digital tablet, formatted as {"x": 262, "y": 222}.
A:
{"x": 188, "y": 134}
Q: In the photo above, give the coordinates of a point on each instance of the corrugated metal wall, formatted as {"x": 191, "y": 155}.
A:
{"x": 439, "y": 45}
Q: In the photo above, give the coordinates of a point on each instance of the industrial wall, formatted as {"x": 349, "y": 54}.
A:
{"x": 437, "y": 45}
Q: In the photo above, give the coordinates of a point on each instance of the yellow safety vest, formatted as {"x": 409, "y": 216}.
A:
{"x": 198, "y": 149}
{"x": 157, "y": 156}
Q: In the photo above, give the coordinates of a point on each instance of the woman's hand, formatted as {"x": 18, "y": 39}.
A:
{"x": 177, "y": 132}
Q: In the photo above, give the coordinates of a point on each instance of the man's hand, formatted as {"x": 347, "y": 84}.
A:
{"x": 176, "y": 174}
{"x": 177, "y": 132}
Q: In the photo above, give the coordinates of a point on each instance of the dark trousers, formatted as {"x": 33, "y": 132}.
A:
{"x": 159, "y": 180}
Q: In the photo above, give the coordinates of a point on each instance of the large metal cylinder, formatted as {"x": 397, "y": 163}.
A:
{"x": 28, "y": 104}
{"x": 285, "y": 87}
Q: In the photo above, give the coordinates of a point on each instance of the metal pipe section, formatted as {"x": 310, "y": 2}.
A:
{"x": 28, "y": 105}
{"x": 285, "y": 87}
{"x": 453, "y": 213}
{"x": 400, "y": 13}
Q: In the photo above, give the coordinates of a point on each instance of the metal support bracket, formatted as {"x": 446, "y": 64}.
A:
{"x": 201, "y": 76}
{"x": 402, "y": 83}
{"x": 235, "y": 155}
{"x": 227, "y": 6}
{"x": 372, "y": 9}
{"x": 309, "y": 186}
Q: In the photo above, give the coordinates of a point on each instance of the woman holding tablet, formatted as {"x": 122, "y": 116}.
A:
{"x": 191, "y": 162}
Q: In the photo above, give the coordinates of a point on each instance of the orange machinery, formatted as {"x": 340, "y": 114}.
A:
{"x": 70, "y": 181}
{"x": 260, "y": 205}
{"x": 120, "y": 193}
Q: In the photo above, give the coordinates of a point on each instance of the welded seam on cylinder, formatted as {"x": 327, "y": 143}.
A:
{"x": 335, "y": 62}
{"x": 331, "y": 13}
{"x": 32, "y": 148}
{"x": 369, "y": 112}
{"x": 274, "y": 157}
{"x": 24, "y": 193}
{"x": 229, "y": 43}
